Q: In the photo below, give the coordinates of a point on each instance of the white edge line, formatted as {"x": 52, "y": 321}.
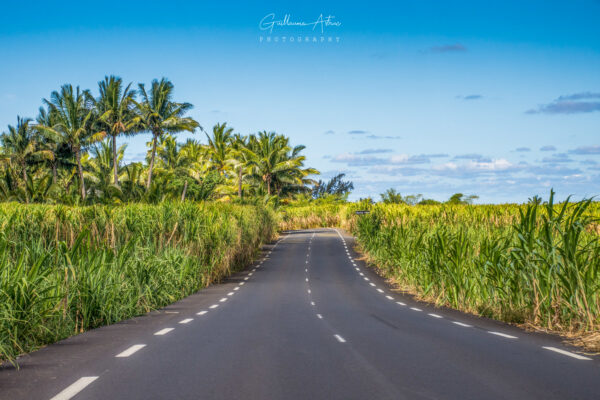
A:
{"x": 186, "y": 321}
{"x": 415, "y": 309}
{"x": 201, "y": 312}
{"x": 461, "y": 324}
{"x": 319, "y": 316}
{"x": 566, "y": 353}
{"x": 503, "y": 335}
{"x": 435, "y": 315}
{"x": 339, "y": 338}
{"x": 74, "y": 388}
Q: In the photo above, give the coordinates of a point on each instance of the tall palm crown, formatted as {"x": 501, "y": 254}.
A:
{"x": 219, "y": 147}
{"x": 73, "y": 124}
{"x": 116, "y": 113}
{"x": 159, "y": 114}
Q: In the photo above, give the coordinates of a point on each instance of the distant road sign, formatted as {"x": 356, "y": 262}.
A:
{"x": 361, "y": 212}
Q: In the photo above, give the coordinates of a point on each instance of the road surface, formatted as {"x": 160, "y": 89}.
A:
{"x": 306, "y": 321}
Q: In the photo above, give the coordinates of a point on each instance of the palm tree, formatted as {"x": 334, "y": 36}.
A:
{"x": 116, "y": 113}
{"x": 159, "y": 114}
{"x": 73, "y": 124}
{"x": 277, "y": 164}
{"x": 240, "y": 158}
{"x": 219, "y": 147}
{"x": 20, "y": 147}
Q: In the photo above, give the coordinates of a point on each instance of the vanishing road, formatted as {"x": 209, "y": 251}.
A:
{"x": 306, "y": 321}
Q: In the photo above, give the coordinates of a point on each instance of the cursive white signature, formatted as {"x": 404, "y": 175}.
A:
{"x": 269, "y": 22}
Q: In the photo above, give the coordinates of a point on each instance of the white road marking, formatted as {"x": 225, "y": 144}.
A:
{"x": 186, "y": 321}
{"x": 254, "y": 270}
{"x": 306, "y": 279}
{"x": 435, "y": 315}
{"x": 214, "y": 306}
{"x": 339, "y": 338}
{"x": 415, "y": 309}
{"x": 400, "y": 303}
{"x": 224, "y": 299}
{"x": 312, "y": 303}
{"x": 358, "y": 269}
{"x": 308, "y": 291}
{"x": 365, "y": 278}
{"x": 360, "y": 273}
{"x": 241, "y": 283}
{"x": 250, "y": 274}
{"x": 305, "y": 269}
{"x": 163, "y": 331}
{"x": 389, "y": 297}
{"x": 131, "y": 350}
{"x": 353, "y": 264}
{"x": 171, "y": 312}
{"x": 230, "y": 294}
{"x": 236, "y": 288}
{"x": 372, "y": 284}
{"x": 503, "y": 335}
{"x": 201, "y": 312}
{"x": 461, "y": 324}
{"x": 380, "y": 291}
{"x": 566, "y": 353}
{"x": 319, "y": 316}
{"x": 246, "y": 278}
{"x": 75, "y": 388}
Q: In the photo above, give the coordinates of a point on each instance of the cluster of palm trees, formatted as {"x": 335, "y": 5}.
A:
{"x": 69, "y": 153}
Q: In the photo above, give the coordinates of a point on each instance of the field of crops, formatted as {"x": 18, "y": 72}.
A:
{"x": 64, "y": 270}
{"x": 536, "y": 264}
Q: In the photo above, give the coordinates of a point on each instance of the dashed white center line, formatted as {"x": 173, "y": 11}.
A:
{"x": 372, "y": 284}
{"x": 365, "y": 278}
{"x": 435, "y": 315}
{"x": 306, "y": 279}
{"x": 566, "y": 353}
{"x": 503, "y": 335}
{"x": 415, "y": 309}
{"x": 400, "y": 303}
{"x": 358, "y": 269}
{"x": 389, "y": 297}
{"x": 308, "y": 291}
{"x": 461, "y": 324}
{"x": 236, "y": 288}
{"x": 380, "y": 291}
{"x": 214, "y": 306}
{"x": 163, "y": 331}
{"x": 230, "y": 294}
{"x": 246, "y": 278}
{"x": 319, "y": 316}
{"x": 305, "y": 269}
{"x": 241, "y": 283}
{"x": 339, "y": 338}
{"x": 131, "y": 350}
{"x": 224, "y": 299}
{"x": 186, "y": 321}
{"x": 360, "y": 273}
{"x": 75, "y": 388}
{"x": 250, "y": 274}
{"x": 201, "y": 312}
{"x": 312, "y": 303}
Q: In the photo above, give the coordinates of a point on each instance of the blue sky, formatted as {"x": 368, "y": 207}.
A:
{"x": 497, "y": 99}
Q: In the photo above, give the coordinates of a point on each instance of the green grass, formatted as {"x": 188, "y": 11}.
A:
{"x": 64, "y": 270}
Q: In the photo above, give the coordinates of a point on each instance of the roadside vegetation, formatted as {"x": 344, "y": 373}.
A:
{"x": 535, "y": 264}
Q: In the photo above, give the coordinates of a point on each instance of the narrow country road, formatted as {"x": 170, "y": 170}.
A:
{"x": 307, "y": 321}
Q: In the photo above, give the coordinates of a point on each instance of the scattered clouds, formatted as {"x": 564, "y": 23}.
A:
{"x": 548, "y": 148}
{"x": 357, "y": 132}
{"x": 585, "y": 150}
{"x": 470, "y": 97}
{"x": 448, "y": 48}
{"x": 436, "y": 155}
{"x": 569, "y": 104}
{"x": 522, "y": 149}
{"x": 382, "y": 137}
{"x": 557, "y": 158}
{"x": 374, "y": 151}
{"x": 355, "y": 160}
{"x": 473, "y": 157}
{"x": 329, "y": 132}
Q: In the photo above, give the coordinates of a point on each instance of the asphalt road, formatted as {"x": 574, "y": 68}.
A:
{"x": 307, "y": 321}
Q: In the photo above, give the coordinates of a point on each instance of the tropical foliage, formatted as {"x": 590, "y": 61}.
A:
{"x": 70, "y": 154}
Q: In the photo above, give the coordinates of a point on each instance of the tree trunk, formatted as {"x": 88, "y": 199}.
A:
{"x": 54, "y": 172}
{"x": 269, "y": 185}
{"x": 80, "y": 172}
{"x": 154, "y": 138}
{"x": 185, "y": 185}
{"x": 114, "y": 157}
{"x": 240, "y": 181}
{"x": 24, "y": 168}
